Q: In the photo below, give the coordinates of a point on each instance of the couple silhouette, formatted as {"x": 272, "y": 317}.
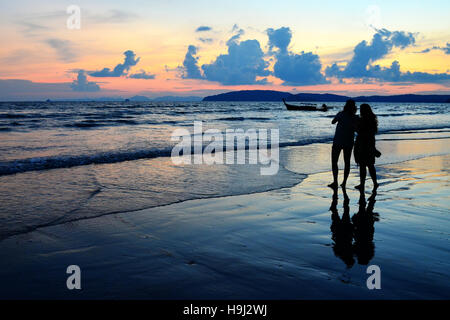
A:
{"x": 366, "y": 126}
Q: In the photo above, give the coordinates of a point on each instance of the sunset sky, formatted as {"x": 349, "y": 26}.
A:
{"x": 197, "y": 48}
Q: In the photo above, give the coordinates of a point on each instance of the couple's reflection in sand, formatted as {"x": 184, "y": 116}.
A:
{"x": 353, "y": 237}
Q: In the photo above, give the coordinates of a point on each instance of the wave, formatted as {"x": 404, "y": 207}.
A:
{"x": 84, "y": 124}
{"x": 67, "y": 161}
{"x": 17, "y": 115}
{"x": 414, "y": 128}
{"x": 243, "y": 118}
{"x": 395, "y": 113}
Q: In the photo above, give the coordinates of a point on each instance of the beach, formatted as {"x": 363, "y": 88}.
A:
{"x": 224, "y": 159}
{"x": 283, "y": 243}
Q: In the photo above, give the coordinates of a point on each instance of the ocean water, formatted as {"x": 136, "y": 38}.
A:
{"x": 65, "y": 161}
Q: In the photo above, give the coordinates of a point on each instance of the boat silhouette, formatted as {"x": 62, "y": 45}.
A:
{"x": 304, "y": 107}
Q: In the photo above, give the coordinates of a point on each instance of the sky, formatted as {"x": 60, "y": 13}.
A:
{"x": 78, "y": 49}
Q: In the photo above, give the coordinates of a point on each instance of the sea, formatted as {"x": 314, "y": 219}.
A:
{"x": 66, "y": 161}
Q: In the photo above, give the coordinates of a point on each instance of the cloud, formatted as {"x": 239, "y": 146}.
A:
{"x": 120, "y": 69}
{"x": 63, "y": 48}
{"x": 299, "y": 69}
{"x": 445, "y": 49}
{"x": 243, "y": 63}
{"x": 235, "y": 38}
{"x": 18, "y": 56}
{"x": 361, "y": 65}
{"x": 425, "y": 50}
{"x": 142, "y": 75}
{"x": 393, "y": 74}
{"x": 206, "y": 40}
{"x": 293, "y": 69}
{"x": 112, "y": 16}
{"x": 383, "y": 41}
{"x": 203, "y": 28}
{"x": 31, "y": 29}
{"x": 190, "y": 69}
{"x": 279, "y": 38}
{"x": 82, "y": 84}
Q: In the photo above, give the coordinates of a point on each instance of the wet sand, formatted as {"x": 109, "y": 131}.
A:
{"x": 281, "y": 244}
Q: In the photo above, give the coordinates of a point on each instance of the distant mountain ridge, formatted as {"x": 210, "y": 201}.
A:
{"x": 271, "y": 95}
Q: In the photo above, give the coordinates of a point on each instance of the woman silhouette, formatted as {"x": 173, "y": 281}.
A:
{"x": 343, "y": 140}
{"x": 365, "y": 151}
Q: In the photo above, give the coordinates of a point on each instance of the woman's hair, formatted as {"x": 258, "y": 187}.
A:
{"x": 350, "y": 106}
{"x": 368, "y": 116}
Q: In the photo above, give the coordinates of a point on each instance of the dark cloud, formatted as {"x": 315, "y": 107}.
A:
{"x": 203, "y": 28}
{"x": 120, "y": 69}
{"x": 293, "y": 69}
{"x": 82, "y": 84}
{"x": 190, "y": 69}
{"x": 142, "y": 75}
{"x": 383, "y": 41}
{"x": 243, "y": 63}
{"x": 63, "y": 48}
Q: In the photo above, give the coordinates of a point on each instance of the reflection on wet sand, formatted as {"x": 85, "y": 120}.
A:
{"x": 353, "y": 237}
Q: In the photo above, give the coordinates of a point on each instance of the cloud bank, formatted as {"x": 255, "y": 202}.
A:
{"x": 362, "y": 66}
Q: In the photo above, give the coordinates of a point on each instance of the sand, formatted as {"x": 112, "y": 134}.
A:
{"x": 279, "y": 244}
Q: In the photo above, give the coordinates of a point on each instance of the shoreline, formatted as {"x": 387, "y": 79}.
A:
{"x": 242, "y": 242}
{"x": 61, "y": 162}
{"x": 296, "y": 169}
